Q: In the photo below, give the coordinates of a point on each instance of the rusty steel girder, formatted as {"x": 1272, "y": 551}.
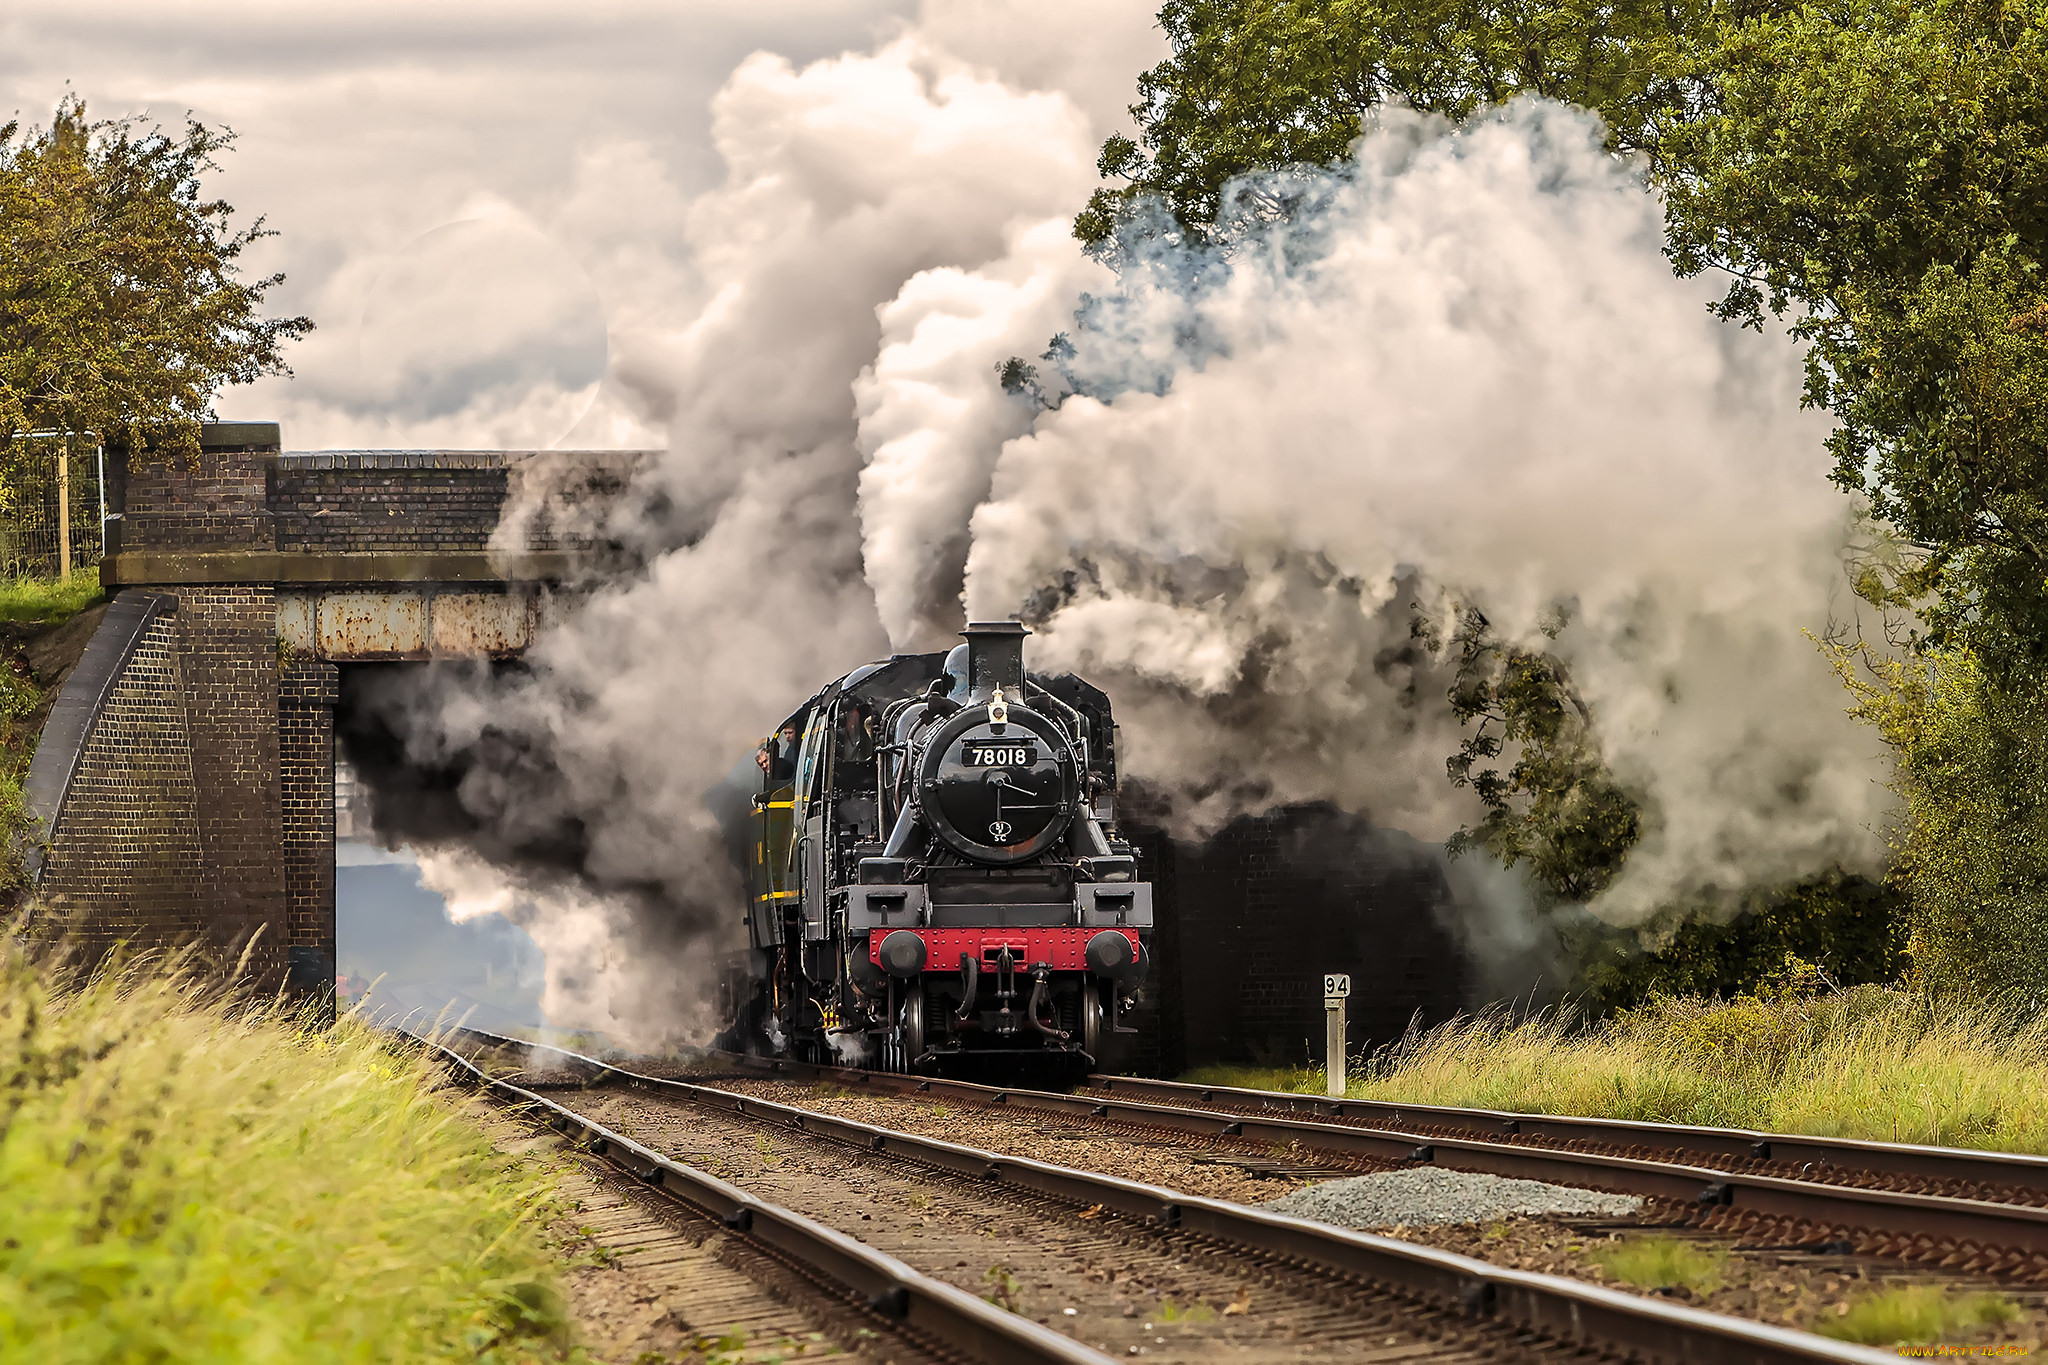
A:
{"x": 420, "y": 622}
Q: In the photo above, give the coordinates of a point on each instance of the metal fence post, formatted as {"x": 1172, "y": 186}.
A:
{"x": 64, "y": 511}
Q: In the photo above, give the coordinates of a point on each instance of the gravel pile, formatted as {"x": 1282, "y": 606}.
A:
{"x": 1429, "y": 1194}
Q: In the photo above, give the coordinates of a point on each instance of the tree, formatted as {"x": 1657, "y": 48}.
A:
{"x": 1872, "y": 169}
{"x": 1265, "y": 84}
{"x": 122, "y": 309}
{"x": 1874, "y": 173}
{"x": 1557, "y": 809}
{"x": 1877, "y": 170}
{"x": 1972, "y": 850}
{"x": 1845, "y": 929}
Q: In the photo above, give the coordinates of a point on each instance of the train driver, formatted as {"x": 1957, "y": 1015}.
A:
{"x": 777, "y": 757}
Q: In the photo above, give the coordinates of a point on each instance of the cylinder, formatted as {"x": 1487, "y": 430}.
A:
{"x": 1333, "y": 1046}
{"x": 64, "y": 512}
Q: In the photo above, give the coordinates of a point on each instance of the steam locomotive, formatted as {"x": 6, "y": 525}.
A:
{"x": 937, "y": 881}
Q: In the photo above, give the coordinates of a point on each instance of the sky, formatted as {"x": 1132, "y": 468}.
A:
{"x": 481, "y": 206}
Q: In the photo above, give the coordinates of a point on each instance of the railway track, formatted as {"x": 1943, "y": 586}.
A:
{"x": 1127, "y": 1268}
{"x": 935, "y": 1321}
{"x": 1978, "y": 1212}
{"x": 2002, "y": 1176}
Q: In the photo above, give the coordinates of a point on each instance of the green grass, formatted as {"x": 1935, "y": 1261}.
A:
{"x": 1659, "y": 1262}
{"x": 1914, "y": 1315}
{"x": 45, "y": 601}
{"x": 1870, "y": 1062}
{"x": 186, "y": 1179}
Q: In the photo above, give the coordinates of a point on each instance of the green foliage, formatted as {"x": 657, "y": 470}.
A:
{"x": 27, "y": 605}
{"x": 1877, "y": 168}
{"x": 122, "y": 309}
{"x": 1557, "y": 808}
{"x": 1872, "y": 170}
{"x": 1661, "y": 1262}
{"x": 184, "y": 1180}
{"x": 1915, "y": 1315}
{"x": 1833, "y": 927}
{"x": 1866, "y": 1062}
{"x": 1004, "y": 1289}
{"x": 1972, "y": 848}
{"x": 1265, "y": 84}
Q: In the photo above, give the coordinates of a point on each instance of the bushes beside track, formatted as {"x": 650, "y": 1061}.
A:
{"x": 1868, "y": 1062}
{"x": 188, "y": 1178}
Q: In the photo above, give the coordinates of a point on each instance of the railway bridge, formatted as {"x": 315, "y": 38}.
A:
{"x": 183, "y": 786}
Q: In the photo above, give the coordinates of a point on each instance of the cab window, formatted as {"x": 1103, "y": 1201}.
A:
{"x": 810, "y": 757}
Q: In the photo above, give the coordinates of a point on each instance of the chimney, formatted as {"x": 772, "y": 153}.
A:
{"x": 995, "y": 657}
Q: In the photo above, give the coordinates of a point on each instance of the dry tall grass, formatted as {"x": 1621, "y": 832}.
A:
{"x": 1869, "y": 1062}
{"x": 186, "y": 1178}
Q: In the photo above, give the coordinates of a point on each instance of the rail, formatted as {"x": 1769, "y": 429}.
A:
{"x": 977, "y": 1330}
{"x": 1910, "y": 1160}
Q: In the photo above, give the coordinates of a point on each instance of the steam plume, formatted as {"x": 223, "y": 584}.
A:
{"x": 1461, "y": 374}
{"x": 1466, "y": 373}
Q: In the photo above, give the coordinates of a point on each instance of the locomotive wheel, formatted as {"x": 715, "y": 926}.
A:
{"x": 1092, "y": 1030}
{"x": 910, "y": 1028}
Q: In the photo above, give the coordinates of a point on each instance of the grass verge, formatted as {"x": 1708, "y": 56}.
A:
{"x": 185, "y": 1178}
{"x": 1869, "y": 1062}
{"x": 47, "y": 602}
{"x": 28, "y": 607}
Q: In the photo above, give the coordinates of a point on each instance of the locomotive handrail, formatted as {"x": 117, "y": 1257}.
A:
{"x": 1546, "y": 1304}
{"x": 960, "y": 1321}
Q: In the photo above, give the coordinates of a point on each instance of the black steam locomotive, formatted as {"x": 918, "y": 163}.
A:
{"x": 937, "y": 879}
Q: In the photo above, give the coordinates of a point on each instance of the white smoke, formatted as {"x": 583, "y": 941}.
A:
{"x": 846, "y": 178}
{"x": 1467, "y": 371}
{"x": 932, "y": 417}
{"x": 1464, "y": 375}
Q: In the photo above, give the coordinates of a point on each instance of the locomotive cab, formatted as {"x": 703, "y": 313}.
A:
{"x": 937, "y": 879}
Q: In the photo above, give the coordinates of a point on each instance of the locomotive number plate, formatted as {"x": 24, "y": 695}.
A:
{"x": 999, "y": 755}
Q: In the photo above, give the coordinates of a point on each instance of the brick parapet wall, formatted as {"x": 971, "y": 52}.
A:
{"x": 426, "y": 502}
{"x": 424, "y": 511}
{"x": 217, "y": 499}
{"x": 361, "y": 502}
